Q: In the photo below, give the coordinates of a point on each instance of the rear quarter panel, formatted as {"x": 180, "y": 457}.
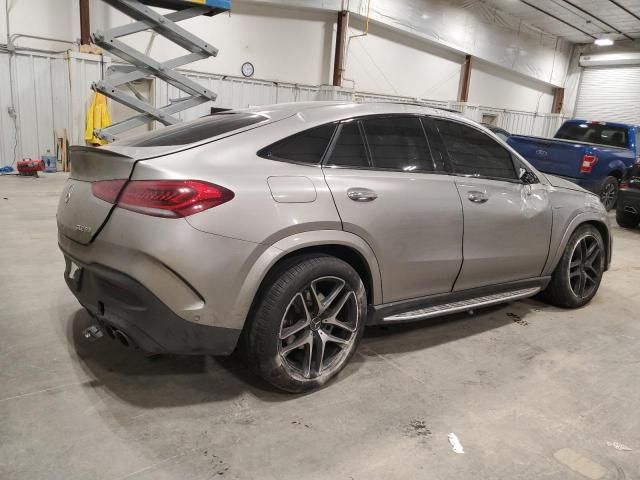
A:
{"x": 253, "y": 214}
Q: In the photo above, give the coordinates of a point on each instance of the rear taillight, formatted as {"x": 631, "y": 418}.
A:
{"x": 170, "y": 198}
{"x": 588, "y": 162}
{"x": 107, "y": 190}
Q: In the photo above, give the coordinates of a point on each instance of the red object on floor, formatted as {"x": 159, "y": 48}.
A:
{"x": 28, "y": 166}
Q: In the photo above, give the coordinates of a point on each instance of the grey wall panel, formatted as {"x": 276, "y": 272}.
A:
{"x": 53, "y": 92}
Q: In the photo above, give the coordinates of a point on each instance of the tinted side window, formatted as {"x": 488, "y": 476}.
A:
{"x": 194, "y": 131}
{"x": 306, "y": 147}
{"x": 398, "y": 143}
{"x": 474, "y": 153}
{"x": 349, "y": 149}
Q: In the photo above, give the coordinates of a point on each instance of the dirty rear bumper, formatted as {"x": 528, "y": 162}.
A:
{"x": 118, "y": 302}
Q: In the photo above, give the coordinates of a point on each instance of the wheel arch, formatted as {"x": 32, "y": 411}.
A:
{"x": 344, "y": 245}
{"x": 598, "y": 221}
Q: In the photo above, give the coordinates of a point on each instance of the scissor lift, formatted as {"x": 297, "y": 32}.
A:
{"x": 143, "y": 66}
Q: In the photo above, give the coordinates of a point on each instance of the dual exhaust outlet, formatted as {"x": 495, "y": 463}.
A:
{"x": 95, "y": 332}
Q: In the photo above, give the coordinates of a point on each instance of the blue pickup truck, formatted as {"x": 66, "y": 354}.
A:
{"x": 595, "y": 155}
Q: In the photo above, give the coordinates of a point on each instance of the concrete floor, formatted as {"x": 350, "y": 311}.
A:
{"x": 531, "y": 391}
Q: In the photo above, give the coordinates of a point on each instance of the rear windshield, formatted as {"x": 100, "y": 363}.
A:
{"x": 601, "y": 134}
{"x": 194, "y": 131}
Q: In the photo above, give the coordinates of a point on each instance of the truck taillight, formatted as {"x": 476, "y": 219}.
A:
{"x": 163, "y": 198}
{"x": 588, "y": 162}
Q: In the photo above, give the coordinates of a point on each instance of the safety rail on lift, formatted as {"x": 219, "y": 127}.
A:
{"x": 143, "y": 66}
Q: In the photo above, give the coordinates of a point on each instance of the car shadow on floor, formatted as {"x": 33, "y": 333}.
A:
{"x": 171, "y": 380}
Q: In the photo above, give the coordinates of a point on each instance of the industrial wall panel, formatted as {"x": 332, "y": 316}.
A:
{"x": 610, "y": 94}
{"x": 53, "y": 92}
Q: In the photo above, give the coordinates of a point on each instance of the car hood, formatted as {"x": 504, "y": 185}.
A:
{"x": 562, "y": 183}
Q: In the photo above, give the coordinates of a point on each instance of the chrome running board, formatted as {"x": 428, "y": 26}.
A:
{"x": 463, "y": 305}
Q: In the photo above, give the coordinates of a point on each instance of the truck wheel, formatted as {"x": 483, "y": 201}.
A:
{"x": 577, "y": 277}
{"x": 609, "y": 192}
{"x": 626, "y": 219}
{"x": 306, "y": 324}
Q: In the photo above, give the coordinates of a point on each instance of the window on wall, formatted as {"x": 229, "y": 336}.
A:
{"x": 306, "y": 147}
{"x": 475, "y": 153}
{"x": 349, "y": 150}
{"x": 398, "y": 143}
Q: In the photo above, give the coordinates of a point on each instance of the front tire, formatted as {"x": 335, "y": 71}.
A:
{"x": 577, "y": 277}
{"x": 627, "y": 220}
{"x": 306, "y": 324}
{"x": 609, "y": 192}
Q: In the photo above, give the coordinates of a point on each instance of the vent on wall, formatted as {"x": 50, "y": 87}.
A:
{"x": 610, "y": 59}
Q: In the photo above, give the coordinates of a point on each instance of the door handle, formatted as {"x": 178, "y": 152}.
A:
{"x": 477, "y": 197}
{"x": 361, "y": 194}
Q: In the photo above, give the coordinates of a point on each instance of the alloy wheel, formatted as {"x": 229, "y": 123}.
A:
{"x": 585, "y": 266}
{"x": 608, "y": 195}
{"x": 319, "y": 327}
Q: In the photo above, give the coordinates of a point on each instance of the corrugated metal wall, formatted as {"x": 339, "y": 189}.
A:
{"x": 53, "y": 92}
{"x": 50, "y": 93}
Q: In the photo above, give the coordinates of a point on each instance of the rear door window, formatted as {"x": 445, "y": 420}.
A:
{"x": 349, "y": 149}
{"x": 194, "y": 131}
{"x": 474, "y": 153}
{"x": 305, "y": 147}
{"x": 398, "y": 143}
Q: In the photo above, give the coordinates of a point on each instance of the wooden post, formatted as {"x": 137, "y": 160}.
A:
{"x": 341, "y": 37}
{"x": 85, "y": 23}
{"x": 465, "y": 79}
{"x": 558, "y": 100}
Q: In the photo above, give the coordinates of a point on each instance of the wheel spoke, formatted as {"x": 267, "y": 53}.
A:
{"x": 299, "y": 325}
{"x": 324, "y": 303}
{"x": 300, "y": 342}
{"x": 308, "y": 358}
{"x": 327, "y": 337}
{"x": 582, "y": 284}
{"x": 332, "y": 316}
{"x": 319, "y": 349}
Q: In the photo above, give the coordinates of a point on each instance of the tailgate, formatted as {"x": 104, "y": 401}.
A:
{"x": 80, "y": 214}
{"x": 557, "y": 157}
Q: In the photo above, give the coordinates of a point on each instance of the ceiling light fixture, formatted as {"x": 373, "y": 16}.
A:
{"x": 603, "y": 42}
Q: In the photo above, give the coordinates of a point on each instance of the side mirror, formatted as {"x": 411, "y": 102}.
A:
{"x": 527, "y": 177}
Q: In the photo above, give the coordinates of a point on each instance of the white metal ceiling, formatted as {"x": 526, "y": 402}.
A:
{"x": 594, "y": 23}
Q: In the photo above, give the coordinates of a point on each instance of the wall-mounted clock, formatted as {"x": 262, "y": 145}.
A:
{"x": 247, "y": 69}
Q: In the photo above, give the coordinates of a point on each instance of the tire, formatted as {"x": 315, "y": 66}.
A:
{"x": 565, "y": 290}
{"x": 297, "y": 340}
{"x": 609, "y": 192}
{"x": 627, "y": 220}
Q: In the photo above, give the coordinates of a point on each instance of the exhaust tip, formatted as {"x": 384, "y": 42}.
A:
{"x": 92, "y": 333}
{"x": 122, "y": 337}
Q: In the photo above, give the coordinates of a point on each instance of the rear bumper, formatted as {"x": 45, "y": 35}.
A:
{"x": 118, "y": 302}
{"x": 629, "y": 201}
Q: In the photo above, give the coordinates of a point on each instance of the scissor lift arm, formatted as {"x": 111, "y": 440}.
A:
{"x": 145, "y": 66}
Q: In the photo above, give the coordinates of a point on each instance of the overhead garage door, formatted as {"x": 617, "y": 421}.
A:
{"x": 610, "y": 94}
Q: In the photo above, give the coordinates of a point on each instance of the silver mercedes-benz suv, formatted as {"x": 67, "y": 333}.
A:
{"x": 283, "y": 230}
